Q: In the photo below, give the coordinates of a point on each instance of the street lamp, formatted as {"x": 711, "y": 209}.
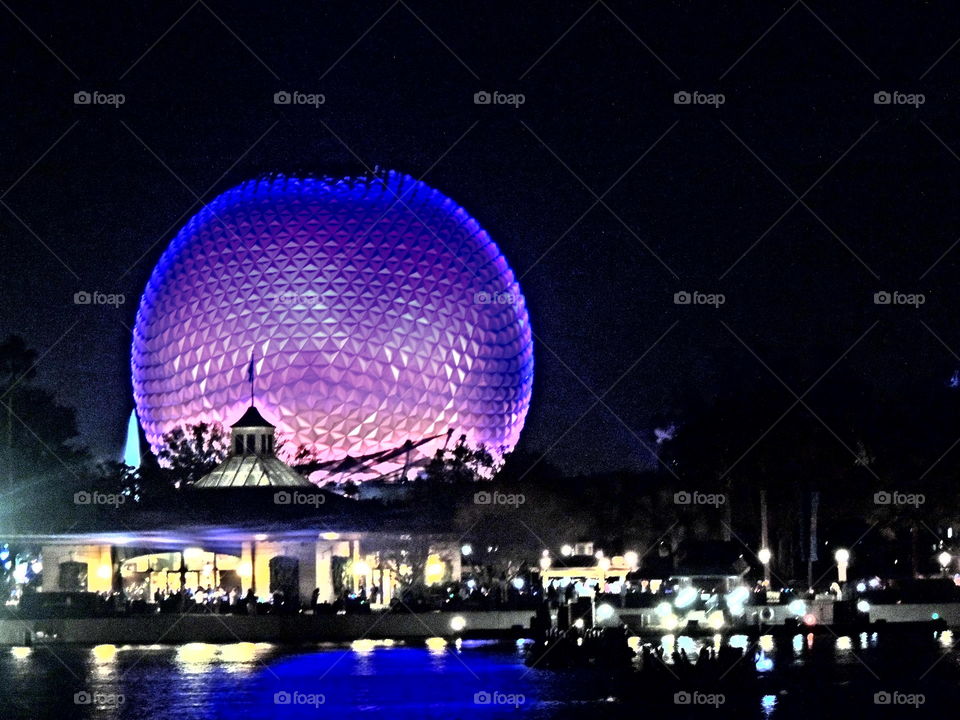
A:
{"x": 842, "y": 556}
{"x": 764, "y": 556}
{"x": 945, "y": 559}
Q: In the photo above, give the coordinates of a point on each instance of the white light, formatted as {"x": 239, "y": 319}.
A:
{"x": 457, "y": 623}
{"x": 842, "y": 555}
{"x": 578, "y": 623}
{"x": 566, "y": 551}
{"x": 715, "y": 620}
{"x": 861, "y": 586}
{"x": 603, "y": 563}
{"x": 797, "y": 607}
{"x": 545, "y": 563}
{"x": 670, "y": 622}
{"x": 764, "y": 555}
{"x": 686, "y": 597}
{"x": 944, "y": 559}
{"x": 662, "y": 610}
{"x": 631, "y": 558}
{"x": 518, "y": 583}
{"x": 604, "y": 612}
{"x": 466, "y": 550}
{"x": 738, "y": 595}
{"x": 874, "y": 582}
{"x": 863, "y": 606}
{"x": 361, "y": 568}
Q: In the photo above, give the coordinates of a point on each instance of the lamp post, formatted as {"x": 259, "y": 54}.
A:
{"x": 764, "y": 555}
{"x": 944, "y": 559}
{"x": 842, "y": 556}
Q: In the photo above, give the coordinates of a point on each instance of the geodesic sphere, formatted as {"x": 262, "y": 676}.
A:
{"x": 377, "y": 310}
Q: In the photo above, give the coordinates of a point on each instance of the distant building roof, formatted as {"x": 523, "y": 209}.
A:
{"x": 252, "y": 471}
{"x": 252, "y": 418}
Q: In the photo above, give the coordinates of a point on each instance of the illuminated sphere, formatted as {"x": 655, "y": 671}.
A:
{"x": 377, "y": 309}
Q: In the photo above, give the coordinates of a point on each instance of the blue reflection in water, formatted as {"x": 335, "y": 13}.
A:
{"x": 399, "y": 681}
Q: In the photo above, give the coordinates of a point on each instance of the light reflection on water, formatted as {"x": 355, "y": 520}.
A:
{"x": 373, "y": 678}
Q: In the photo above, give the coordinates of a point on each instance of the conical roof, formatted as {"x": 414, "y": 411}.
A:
{"x": 252, "y": 419}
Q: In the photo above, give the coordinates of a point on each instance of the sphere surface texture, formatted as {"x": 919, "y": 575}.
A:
{"x": 377, "y": 310}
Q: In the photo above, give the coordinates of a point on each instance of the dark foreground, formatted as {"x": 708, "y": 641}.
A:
{"x": 794, "y": 677}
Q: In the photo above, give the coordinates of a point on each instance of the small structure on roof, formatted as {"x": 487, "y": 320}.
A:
{"x": 252, "y": 462}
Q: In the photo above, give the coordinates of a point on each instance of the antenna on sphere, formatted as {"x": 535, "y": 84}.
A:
{"x": 250, "y": 376}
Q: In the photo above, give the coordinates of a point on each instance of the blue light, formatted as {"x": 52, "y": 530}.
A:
{"x": 131, "y": 449}
{"x": 764, "y": 664}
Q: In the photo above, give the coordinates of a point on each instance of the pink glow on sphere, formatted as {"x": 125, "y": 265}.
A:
{"x": 377, "y": 309}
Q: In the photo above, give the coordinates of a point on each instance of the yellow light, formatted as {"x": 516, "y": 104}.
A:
{"x": 104, "y": 653}
{"x": 434, "y": 570}
{"x": 715, "y": 620}
{"x": 242, "y": 652}
{"x": 766, "y": 643}
{"x": 329, "y": 536}
{"x": 21, "y": 653}
{"x": 844, "y": 643}
{"x": 670, "y": 621}
{"x": 436, "y": 644}
{"x": 104, "y": 572}
{"x": 245, "y": 570}
{"x": 360, "y": 567}
{"x": 633, "y": 642}
{"x": 196, "y": 653}
{"x": 363, "y": 645}
{"x": 603, "y": 563}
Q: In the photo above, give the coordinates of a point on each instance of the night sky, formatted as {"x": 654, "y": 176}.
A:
{"x": 797, "y": 199}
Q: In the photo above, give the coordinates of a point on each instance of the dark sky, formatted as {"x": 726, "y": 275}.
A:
{"x": 91, "y": 195}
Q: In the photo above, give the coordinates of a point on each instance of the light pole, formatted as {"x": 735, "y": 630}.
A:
{"x": 764, "y": 555}
{"x": 945, "y": 559}
{"x": 842, "y": 556}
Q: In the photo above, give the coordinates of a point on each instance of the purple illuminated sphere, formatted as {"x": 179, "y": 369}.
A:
{"x": 377, "y": 309}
